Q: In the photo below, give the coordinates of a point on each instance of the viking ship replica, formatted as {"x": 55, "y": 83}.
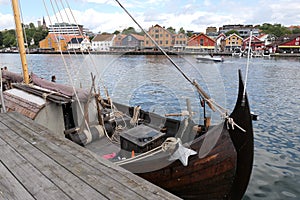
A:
{"x": 193, "y": 161}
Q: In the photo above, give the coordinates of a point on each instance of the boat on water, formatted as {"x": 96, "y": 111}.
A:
{"x": 209, "y": 58}
{"x": 191, "y": 160}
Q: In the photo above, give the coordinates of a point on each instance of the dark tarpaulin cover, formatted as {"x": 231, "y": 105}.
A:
{"x": 61, "y": 88}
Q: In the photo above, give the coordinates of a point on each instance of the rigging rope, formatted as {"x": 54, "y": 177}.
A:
{"x": 247, "y": 68}
{"x": 209, "y": 101}
{"x": 66, "y": 67}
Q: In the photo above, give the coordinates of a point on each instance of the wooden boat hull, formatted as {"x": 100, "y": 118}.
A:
{"x": 224, "y": 172}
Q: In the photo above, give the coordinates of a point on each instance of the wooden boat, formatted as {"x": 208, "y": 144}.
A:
{"x": 209, "y": 58}
{"x": 190, "y": 160}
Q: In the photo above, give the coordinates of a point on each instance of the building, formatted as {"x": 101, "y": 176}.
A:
{"x": 85, "y": 45}
{"x": 162, "y": 37}
{"x": 133, "y": 40}
{"x": 256, "y": 43}
{"x": 103, "y": 42}
{"x": 56, "y": 42}
{"x": 66, "y": 28}
{"x": 243, "y": 30}
{"x": 180, "y": 41}
{"x": 233, "y": 41}
{"x": 44, "y": 26}
{"x": 118, "y": 40}
{"x": 286, "y": 44}
{"x": 220, "y": 42}
{"x": 211, "y": 30}
{"x": 201, "y": 43}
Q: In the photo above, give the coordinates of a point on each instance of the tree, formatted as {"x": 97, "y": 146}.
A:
{"x": 9, "y": 38}
{"x": 296, "y": 31}
{"x": 116, "y": 32}
{"x": 181, "y": 30}
{"x": 129, "y": 30}
{"x": 171, "y": 30}
{"x": 276, "y": 29}
{"x": 232, "y": 32}
{"x": 1, "y": 39}
{"x": 31, "y": 26}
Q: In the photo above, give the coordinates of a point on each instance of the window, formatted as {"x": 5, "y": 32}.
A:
{"x": 201, "y": 42}
{"x": 156, "y": 36}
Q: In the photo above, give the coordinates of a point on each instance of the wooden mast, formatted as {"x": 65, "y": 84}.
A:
{"x": 20, "y": 40}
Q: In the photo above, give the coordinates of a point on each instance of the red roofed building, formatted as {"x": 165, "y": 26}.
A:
{"x": 201, "y": 42}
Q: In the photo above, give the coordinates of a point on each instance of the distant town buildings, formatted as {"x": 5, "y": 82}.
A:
{"x": 243, "y": 30}
{"x": 64, "y": 36}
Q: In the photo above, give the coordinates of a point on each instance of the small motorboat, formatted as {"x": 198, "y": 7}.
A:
{"x": 209, "y": 58}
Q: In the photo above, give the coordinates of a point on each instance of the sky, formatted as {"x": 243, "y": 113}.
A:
{"x": 192, "y": 15}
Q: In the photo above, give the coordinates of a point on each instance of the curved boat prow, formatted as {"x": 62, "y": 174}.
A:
{"x": 243, "y": 142}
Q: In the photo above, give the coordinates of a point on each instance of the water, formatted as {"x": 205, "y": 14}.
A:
{"x": 151, "y": 81}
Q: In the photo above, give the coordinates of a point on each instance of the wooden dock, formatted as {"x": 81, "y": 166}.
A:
{"x": 34, "y": 164}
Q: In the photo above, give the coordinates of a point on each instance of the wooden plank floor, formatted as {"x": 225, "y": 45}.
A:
{"x": 35, "y": 164}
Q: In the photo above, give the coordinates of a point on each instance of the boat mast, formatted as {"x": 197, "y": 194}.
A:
{"x": 20, "y": 39}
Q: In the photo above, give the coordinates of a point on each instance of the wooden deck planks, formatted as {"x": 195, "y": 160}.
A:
{"x": 10, "y": 188}
{"x": 41, "y": 163}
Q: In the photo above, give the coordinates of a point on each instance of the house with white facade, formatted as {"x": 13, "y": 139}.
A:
{"x": 85, "y": 45}
{"x": 103, "y": 42}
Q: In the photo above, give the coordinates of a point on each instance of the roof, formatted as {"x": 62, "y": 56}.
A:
{"x": 138, "y": 37}
{"x": 23, "y": 102}
{"x": 234, "y": 34}
{"x": 221, "y": 35}
{"x": 75, "y": 41}
{"x": 201, "y": 34}
{"x": 65, "y": 37}
{"x": 103, "y": 37}
{"x": 284, "y": 39}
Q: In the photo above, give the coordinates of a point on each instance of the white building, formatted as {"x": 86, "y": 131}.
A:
{"x": 66, "y": 28}
{"x": 103, "y": 42}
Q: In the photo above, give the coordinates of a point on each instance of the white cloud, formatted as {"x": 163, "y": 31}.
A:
{"x": 107, "y": 16}
{"x": 6, "y": 21}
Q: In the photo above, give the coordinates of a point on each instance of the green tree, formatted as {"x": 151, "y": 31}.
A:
{"x": 232, "y": 32}
{"x": 296, "y": 31}
{"x": 129, "y": 30}
{"x": 181, "y": 30}
{"x": 9, "y": 38}
{"x": 171, "y": 30}
{"x": 276, "y": 29}
{"x": 31, "y": 26}
{"x": 1, "y": 39}
{"x": 116, "y": 32}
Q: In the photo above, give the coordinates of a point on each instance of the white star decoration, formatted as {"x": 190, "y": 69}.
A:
{"x": 182, "y": 153}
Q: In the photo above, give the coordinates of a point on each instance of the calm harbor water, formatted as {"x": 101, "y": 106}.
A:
{"x": 151, "y": 81}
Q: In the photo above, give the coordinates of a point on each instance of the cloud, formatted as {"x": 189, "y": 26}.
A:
{"x": 108, "y": 16}
{"x": 6, "y": 21}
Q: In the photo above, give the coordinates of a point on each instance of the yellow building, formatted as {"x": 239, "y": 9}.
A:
{"x": 233, "y": 41}
{"x": 56, "y": 42}
{"x": 163, "y": 37}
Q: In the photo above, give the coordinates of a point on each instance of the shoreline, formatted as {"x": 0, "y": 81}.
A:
{"x": 149, "y": 53}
